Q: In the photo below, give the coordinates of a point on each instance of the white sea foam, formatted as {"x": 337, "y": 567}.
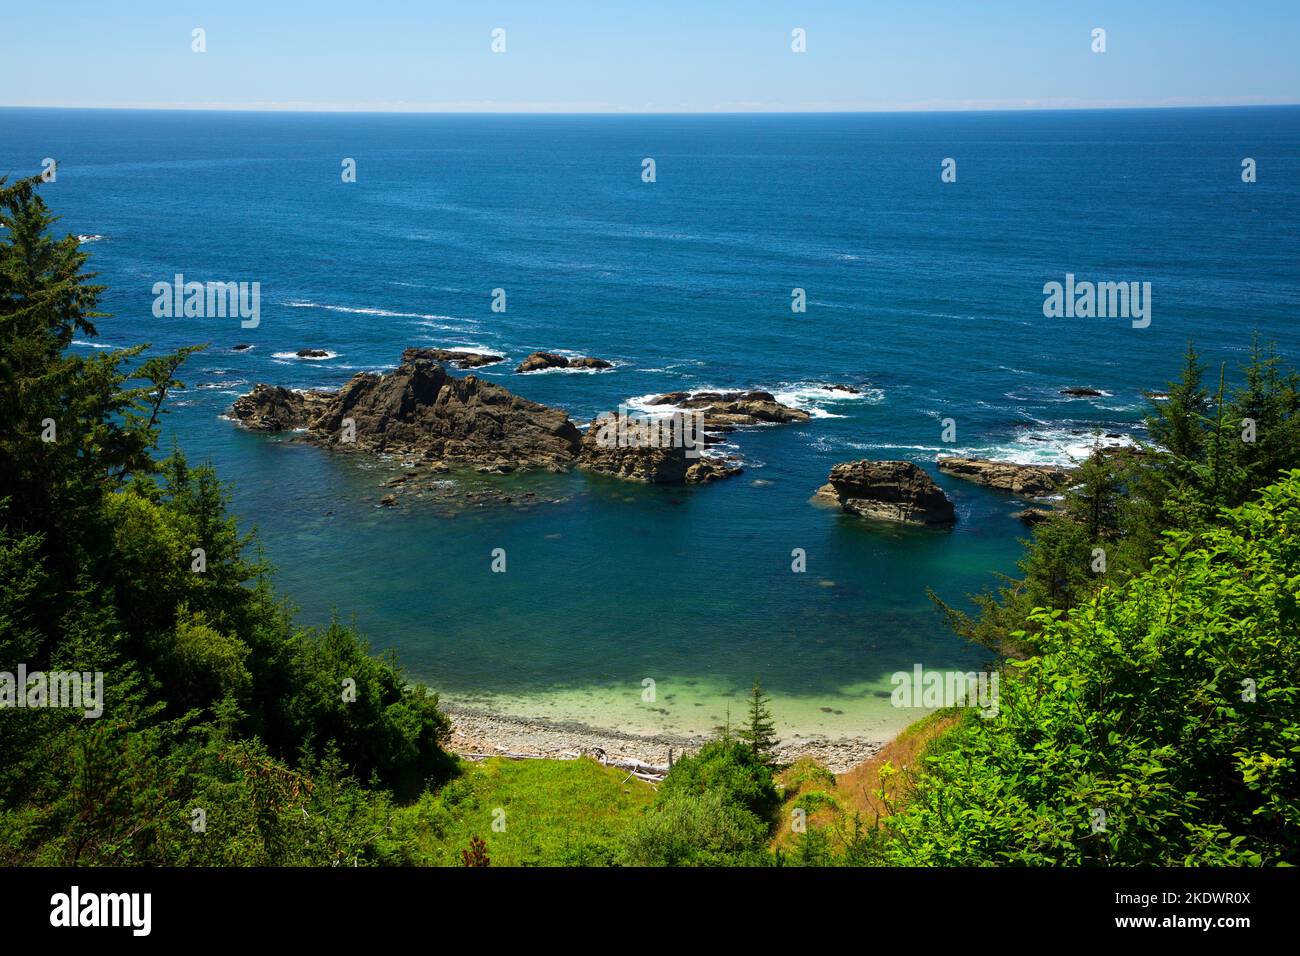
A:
{"x": 231, "y": 383}
{"x": 457, "y": 325}
{"x": 1038, "y": 446}
{"x": 641, "y": 404}
{"x": 306, "y": 358}
{"x": 465, "y": 347}
{"x": 93, "y": 345}
{"x": 1050, "y": 446}
{"x": 572, "y": 371}
{"x": 383, "y": 312}
{"x": 90, "y": 238}
{"x": 813, "y": 397}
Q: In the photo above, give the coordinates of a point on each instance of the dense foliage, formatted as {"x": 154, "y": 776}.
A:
{"x": 228, "y": 735}
{"x": 1159, "y": 723}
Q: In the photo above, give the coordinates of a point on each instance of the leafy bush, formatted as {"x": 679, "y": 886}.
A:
{"x": 730, "y": 769}
{"x": 715, "y": 807}
{"x": 700, "y": 829}
{"x": 1159, "y": 725}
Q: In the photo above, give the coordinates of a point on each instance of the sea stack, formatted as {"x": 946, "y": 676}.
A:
{"x": 888, "y": 491}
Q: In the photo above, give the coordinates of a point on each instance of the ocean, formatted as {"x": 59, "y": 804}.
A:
{"x": 926, "y": 296}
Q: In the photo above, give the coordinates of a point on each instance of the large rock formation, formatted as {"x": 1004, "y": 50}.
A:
{"x": 652, "y": 451}
{"x": 1034, "y": 481}
{"x": 420, "y": 409}
{"x": 539, "y": 361}
{"x": 734, "y": 408}
{"x": 888, "y": 491}
{"x": 273, "y": 408}
{"x": 456, "y": 357}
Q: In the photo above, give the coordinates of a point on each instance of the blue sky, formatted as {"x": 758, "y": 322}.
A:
{"x": 651, "y": 56}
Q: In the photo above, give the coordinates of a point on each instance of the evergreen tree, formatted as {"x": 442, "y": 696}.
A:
{"x": 1262, "y": 427}
{"x": 1094, "y": 502}
{"x": 758, "y": 733}
{"x": 211, "y": 696}
{"x": 1179, "y": 423}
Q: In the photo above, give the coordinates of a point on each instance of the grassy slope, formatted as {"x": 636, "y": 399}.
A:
{"x": 556, "y": 812}
{"x": 827, "y": 798}
{"x": 573, "y": 811}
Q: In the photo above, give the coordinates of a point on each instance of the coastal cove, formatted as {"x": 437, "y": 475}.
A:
{"x": 924, "y": 298}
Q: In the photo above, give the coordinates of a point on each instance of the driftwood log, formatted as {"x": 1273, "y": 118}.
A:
{"x": 651, "y": 773}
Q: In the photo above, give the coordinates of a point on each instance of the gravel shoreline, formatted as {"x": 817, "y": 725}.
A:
{"x": 478, "y": 732}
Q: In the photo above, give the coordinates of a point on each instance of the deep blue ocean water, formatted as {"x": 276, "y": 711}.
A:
{"x": 926, "y": 295}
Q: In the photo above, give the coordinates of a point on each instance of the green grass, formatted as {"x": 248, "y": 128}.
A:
{"x": 556, "y": 812}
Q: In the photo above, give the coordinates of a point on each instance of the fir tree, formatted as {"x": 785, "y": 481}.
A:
{"x": 759, "y": 734}
{"x": 1179, "y": 423}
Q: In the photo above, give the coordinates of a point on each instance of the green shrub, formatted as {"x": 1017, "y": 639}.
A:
{"x": 694, "y": 829}
{"x": 1160, "y": 725}
{"x": 730, "y": 769}
{"x": 715, "y": 807}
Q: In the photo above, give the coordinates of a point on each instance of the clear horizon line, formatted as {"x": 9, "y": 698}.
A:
{"x": 514, "y": 109}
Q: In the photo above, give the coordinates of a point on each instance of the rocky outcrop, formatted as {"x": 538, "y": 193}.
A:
{"x": 456, "y": 357}
{"x": 712, "y": 469}
{"x": 652, "y": 451}
{"x": 424, "y": 413}
{"x": 587, "y": 361}
{"x": 734, "y": 408}
{"x": 540, "y": 361}
{"x": 1079, "y": 392}
{"x": 1032, "y": 516}
{"x": 1034, "y": 481}
{"x": 312, "y": 353}
{"x": 273, "y": 408}
{"x": 888, "y": 491}
{"x": 420, "y": 409}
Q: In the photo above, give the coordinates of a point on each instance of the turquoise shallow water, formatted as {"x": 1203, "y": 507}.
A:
{"x": 927, "y": 296}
